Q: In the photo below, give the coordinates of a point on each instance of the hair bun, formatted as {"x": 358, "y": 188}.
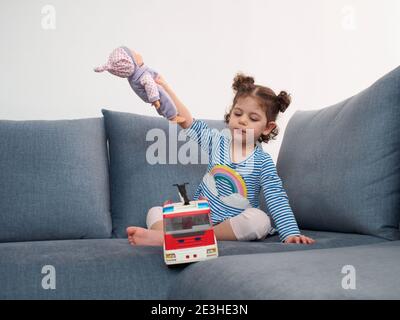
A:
{"x": 283, "y": 99}
{"x": 243, "y": 83}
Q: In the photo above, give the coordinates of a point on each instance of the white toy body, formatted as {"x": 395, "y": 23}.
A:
{"x": 188, "y": 233}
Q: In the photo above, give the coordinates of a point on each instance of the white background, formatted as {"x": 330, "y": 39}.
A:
{"x": 320, "y": 51}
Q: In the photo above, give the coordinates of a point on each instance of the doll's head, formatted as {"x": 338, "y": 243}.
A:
{"x": 255, "y": 108}
{"x": 122, "y": 62}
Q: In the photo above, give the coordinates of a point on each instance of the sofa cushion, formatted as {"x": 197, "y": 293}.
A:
{"x": 323, "y": 240}
{"x": 340, "y": 165}
{"x": 113, "y": 269}
{"x": 53, "y": 180}
{"x": 146, "y": 159}
{"x": 311, "y": 274}
{"x": 83, "y": 269}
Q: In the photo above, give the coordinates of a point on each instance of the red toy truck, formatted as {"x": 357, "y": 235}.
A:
{"x": 188, "y": 232}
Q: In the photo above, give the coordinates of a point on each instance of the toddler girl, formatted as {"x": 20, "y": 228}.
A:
{"x": 236, "y": 215}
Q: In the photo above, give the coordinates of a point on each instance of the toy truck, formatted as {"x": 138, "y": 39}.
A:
{"x": 188, "y": 231}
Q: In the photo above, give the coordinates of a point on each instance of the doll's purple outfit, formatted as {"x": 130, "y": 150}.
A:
{"x": 122, "y": 64}
{"x": 142, "y": 82}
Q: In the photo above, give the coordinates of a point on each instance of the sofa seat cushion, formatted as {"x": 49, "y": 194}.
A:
{"x": 85, "y": 269}
{"x": 340, "y": 165}
{"x": 113, "y": 269}
{"x": 272, "y": 244}
{"x": 311, "y": 274}
{"x": 54, "y": 180}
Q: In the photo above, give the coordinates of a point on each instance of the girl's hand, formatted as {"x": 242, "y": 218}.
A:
{"x": 299, "y": 239}
{"x": 160, "y": 80}
{"x": 156, "y": 104}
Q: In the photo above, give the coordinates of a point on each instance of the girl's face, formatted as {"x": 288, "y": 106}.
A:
{"x": 248, "y": 121}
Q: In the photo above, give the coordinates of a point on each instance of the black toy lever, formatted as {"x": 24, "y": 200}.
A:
{"x": 182, "y": 192}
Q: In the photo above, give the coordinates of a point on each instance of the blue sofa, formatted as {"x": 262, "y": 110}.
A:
{"x": 69, "y": 188}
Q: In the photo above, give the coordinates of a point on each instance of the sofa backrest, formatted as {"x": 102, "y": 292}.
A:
{"x": 146, "y": 159}
{"x": 341, "y": 165}
{"x": 53, "y": 180}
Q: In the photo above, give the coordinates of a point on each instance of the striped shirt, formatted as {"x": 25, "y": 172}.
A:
{"x": 257, "y": 171}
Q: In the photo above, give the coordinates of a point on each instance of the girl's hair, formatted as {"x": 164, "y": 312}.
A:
{"x": 244, "y": 86}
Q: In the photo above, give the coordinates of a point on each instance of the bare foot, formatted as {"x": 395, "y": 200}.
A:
{"x": 145, "y": 237}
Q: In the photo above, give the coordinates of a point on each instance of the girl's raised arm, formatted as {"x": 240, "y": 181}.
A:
{"x": 181, "y": 108}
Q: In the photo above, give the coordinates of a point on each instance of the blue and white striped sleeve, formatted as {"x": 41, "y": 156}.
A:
{"x": 201, "y": 133}
{"x": 277, "y": 201}
{"x": 197, "y": 193}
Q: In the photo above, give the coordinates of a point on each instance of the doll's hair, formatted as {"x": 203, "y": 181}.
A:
{"x": 272, "y": 104}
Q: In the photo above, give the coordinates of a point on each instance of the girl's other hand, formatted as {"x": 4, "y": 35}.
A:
{"x": 299, "y": 239}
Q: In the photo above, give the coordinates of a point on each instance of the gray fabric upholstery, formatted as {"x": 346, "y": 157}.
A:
{"x": 136, "y": 183}
{"x": 272, "y": 244}
{"x": 85, "y": 269}
{"x": 311, "y": 274}
{"x": 340, "y": 165}
{"x": 113, "y": 269}
{"x": 53, "y": 180}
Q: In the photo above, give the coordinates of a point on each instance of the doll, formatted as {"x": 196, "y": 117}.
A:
{"x": 126, "y": 63}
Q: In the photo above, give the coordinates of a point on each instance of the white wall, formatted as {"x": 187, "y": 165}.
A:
{"x": 321, "y": 51}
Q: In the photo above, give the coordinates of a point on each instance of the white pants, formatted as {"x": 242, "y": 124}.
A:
{"x": 251, "y": 224}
